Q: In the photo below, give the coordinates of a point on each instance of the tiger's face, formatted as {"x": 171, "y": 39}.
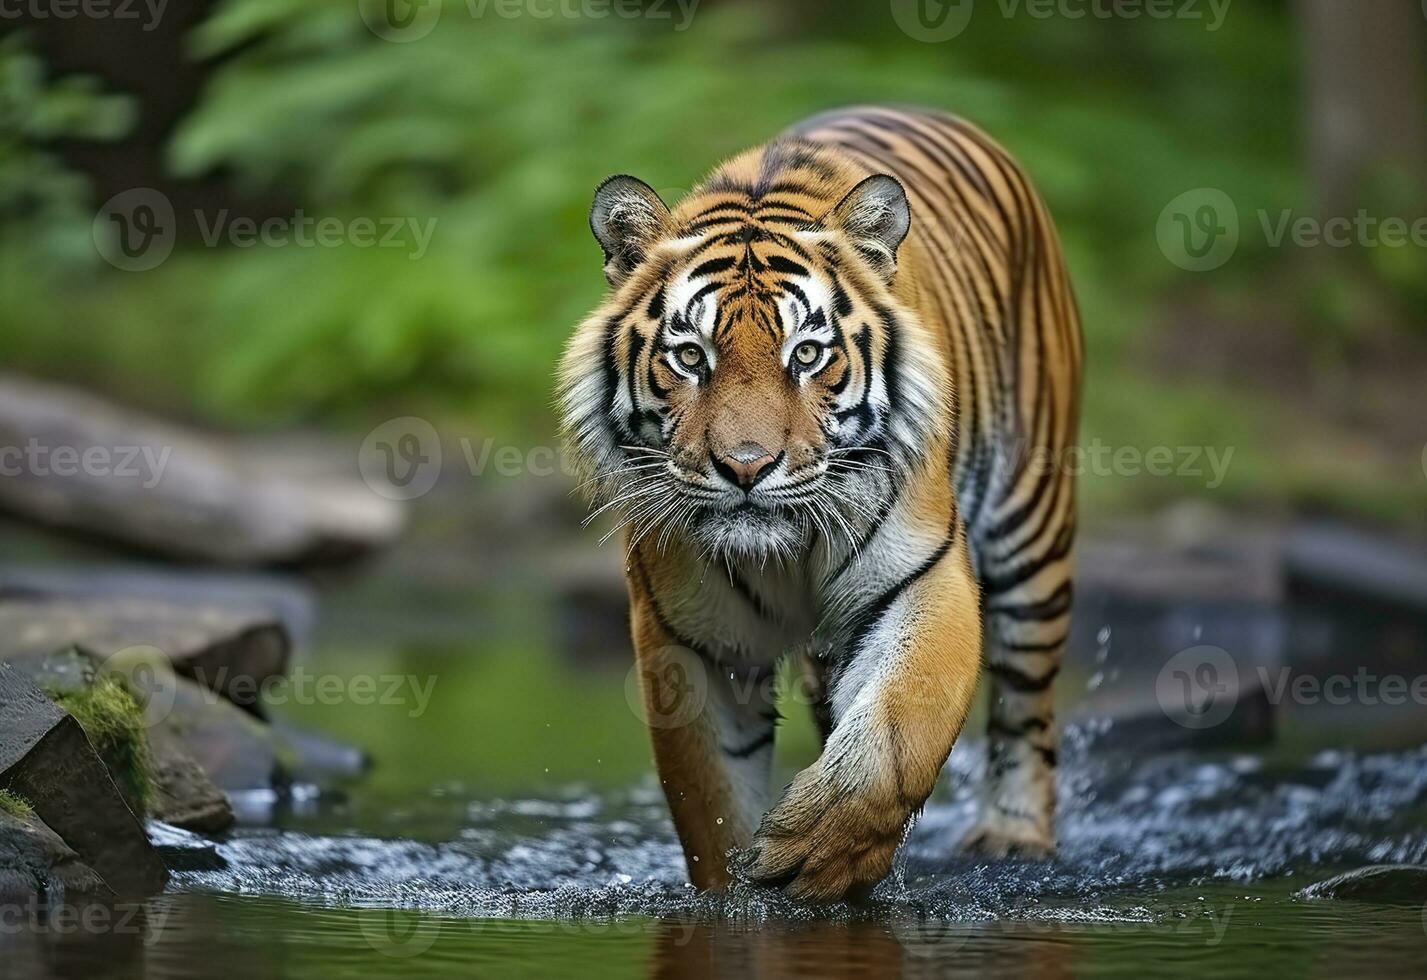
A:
{"x": 744, "y": 384}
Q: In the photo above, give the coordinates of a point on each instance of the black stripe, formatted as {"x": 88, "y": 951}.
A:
{"x": 1021, "y": 682}
{"x": 998, "y": 727}
{"x": 751, "y": 597}
{"x": 1053, "y": 606}
{"x": 872, "y": 614}
{"x": 712, "y": 267}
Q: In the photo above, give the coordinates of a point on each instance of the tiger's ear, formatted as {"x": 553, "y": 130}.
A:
{"x": 876, "y": 216}
{"x": 627, "y": 218}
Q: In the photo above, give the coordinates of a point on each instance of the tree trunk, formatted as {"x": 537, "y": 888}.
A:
{"x": 1366, "y": 84}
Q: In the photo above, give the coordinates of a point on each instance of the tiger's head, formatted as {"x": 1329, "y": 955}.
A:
{"x": 753, "y": 377}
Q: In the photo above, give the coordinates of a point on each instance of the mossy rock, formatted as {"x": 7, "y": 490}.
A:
{"x": 48, "y": 761}
{"x": 114, "y": 724}
{"x": 15, "y": 805}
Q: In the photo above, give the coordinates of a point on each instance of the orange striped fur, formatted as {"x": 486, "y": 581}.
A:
{"x": 820, "y": 398}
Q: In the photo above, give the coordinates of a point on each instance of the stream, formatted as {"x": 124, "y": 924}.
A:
{"x": 511, "y": 826}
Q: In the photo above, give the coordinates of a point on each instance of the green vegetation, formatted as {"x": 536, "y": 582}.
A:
{"x": 498, "y": 128}
{"x": 15, "y": 805}
{"x": 114, "y": 724}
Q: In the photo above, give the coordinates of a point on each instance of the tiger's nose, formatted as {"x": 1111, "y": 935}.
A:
{"x": 745, "y": 464}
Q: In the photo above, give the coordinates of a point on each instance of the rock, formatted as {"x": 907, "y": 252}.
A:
{"x": 1250, "y": 724}
{"x": 1168, "y": 564}
{"x": 1352, "y": 565}
{"x": 289, "y": 598}
{"x": 313, "y": 754}
{"x": 183, "y": 794}
{"x": 35, "y": 862}
{"x": 177, "y": 789}
{"x": 46, "y": 759}
{"x": 235, "y": 750}
{"x": 125, "y": 477}
{"x": 1384, "y": 884}
{"x": 182, "y": 850}
{"x": 231, "y": 650}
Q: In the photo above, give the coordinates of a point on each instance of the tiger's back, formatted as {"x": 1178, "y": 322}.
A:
{"x": 987, "y": 270}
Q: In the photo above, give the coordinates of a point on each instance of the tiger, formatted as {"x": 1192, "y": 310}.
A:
{"x": 824, "y": 396}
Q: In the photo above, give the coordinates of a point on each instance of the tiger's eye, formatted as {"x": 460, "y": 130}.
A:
{"x": 690, "y": 355}
{"x": 807, "y": 353}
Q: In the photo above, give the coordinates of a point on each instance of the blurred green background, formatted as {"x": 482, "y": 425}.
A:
{"x": 1308, "y": 362}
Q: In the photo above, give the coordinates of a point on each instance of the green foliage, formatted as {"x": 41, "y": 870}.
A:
{"x": 114, "y": 724}
{"x": 39, "y": 197}
{"x": 15, "y": 805}
{"x": 499, "y": 128}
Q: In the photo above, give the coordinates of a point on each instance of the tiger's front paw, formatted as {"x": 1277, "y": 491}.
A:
{"x": 822, "y": 843}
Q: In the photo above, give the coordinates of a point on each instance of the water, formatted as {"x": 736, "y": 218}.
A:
{"x": 510, "y": 827}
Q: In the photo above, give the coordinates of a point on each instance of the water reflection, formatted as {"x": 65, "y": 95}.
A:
{"x": 911, "y": 948}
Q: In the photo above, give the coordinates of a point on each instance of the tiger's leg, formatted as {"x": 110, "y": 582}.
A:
{"x": 1027, "y": 624}
{"x": 897, "y": 703}
{"x": 712, "y": 730}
